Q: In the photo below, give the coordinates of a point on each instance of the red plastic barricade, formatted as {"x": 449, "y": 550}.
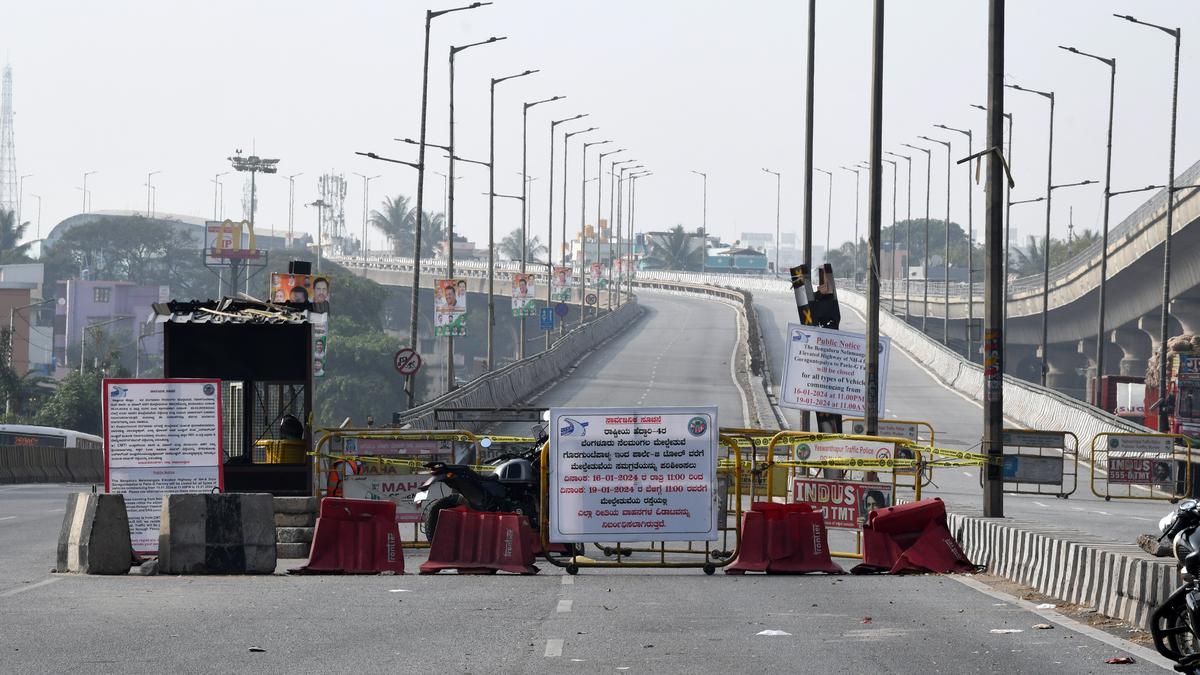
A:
{"x": 481, "y": 542}
{"x": 911, "y": 537}
{"x": 783, "y": 539}
{"x": 355, "y": 536}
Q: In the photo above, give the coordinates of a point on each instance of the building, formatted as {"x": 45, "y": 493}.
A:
{"x": 119, "y": 307}
{"x": 22, "y": 306}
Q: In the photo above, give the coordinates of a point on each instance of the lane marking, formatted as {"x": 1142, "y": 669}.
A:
{"x": 7, "y": 517}
{"x": 553, "y": 648}
{"x": 1067, "y": 622}
{"x": 1148, "y": 520}
{"x": 564, "y": 606}
{"x": 14, "y": 591}
{"x": 568, "y": 580}
{"x": 967, "y": 474}
{"x": 1042, "y": 505}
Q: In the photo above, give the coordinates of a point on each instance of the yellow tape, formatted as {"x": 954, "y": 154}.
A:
{"x": 386, "y": 461}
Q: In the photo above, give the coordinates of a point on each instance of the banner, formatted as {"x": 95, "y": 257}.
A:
{"x": 299, "y": 288}
{"x": 450, "y": 307}
{"x": 826, "y": 371}
{"x": 400, "y": 489}
{"x": 844, "y": 504}
{"x": 523, "y": 294}
{"x": 560, "y": 285}
{"x": 1141, "y": 471}
{"x": 223, "y": 243}
{"x": 633, "y": 474}
{"x": 161, "y": 437}
{"x": 842, "y": 448}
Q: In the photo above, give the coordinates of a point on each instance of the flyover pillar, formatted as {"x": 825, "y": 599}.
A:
{"x": 1187, "y": 312}
{"x": 1135, "y": 350}
{"x": 1063, "y": 375}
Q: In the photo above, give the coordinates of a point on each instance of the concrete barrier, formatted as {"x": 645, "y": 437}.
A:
{"x": 95, "y": 535}
{"x": 55, "y": 462}
{"x": 217, "y": 534}
{"x": 85, "y": 465}
{"x": 6, "y": 463}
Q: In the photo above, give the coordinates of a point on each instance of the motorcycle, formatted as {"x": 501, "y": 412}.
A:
{"x": 1175, "y": 625}
{"x": 511, "y": 487}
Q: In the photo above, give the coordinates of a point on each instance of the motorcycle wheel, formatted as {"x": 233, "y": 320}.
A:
{"x": 1174, "y": 627}
{"x": 435, "y": 509}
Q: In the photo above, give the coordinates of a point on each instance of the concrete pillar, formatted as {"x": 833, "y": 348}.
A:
{"x": 1134, "y": 345}
{"x": 1065, "y": 364}
{"x": 1086, "y": 348}
{"x": 1021, "y": 361}
{"x": 1187, "y": 312}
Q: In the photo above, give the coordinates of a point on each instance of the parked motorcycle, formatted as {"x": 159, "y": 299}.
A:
{"x": 1175, "y": 625}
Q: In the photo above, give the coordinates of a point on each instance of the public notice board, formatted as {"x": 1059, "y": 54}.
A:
{"x": 826, "y": 371}
{"x": 633, "y": 474}
{"x": 161, "y": 437}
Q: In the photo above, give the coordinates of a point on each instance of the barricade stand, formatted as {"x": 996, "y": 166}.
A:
{"x": 1040, "y": 462}
{"x": 912, "y": 537}
{"x": 1152, "y": 464}
{"x": 710, "y": 562}
{"x": 920, "y": 433}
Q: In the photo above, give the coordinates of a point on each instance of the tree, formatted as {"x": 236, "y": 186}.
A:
{"x": 675, "y": 249}
{"x": 398, "y": 220}
{"x": 510, "y": 246}
{"x": 11, "y": 250}
{"x": 75, "y": 404}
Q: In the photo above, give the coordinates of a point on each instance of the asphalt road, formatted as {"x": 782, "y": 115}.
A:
{"x": 596, "y": 622}
{"x": 913, "y": 393}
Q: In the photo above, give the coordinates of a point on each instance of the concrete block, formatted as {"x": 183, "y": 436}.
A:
{"x": 217, "y": 534}
{"x": 296, "y": 505}
{"x": 294, "y": 535}
{"x": 95, "y": 535}
{"x": 293, "y": 551}
{"x": 6, "y": 461}
{"x": 295, "y": 519}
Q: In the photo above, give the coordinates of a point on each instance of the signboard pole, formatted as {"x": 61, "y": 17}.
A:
{"x": 875, "y": 209}
{"x": 994, "y": 300}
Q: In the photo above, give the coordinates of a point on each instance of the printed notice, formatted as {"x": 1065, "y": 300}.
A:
{"x": 826, "y": 371}
{"x": 161, "y": 437}
{"x": 633, "y": 474}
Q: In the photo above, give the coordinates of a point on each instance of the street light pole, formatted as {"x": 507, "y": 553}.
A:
{"x": 550, "y": 212}
{"x": 907, "y": 235}
{"x": 85, "y": 190}
{"x": 148, "y": 188}
{"x": 704, "y": 220}
{"x": 994, "y": 284}
{"x": 970, "y": 242}
{"x": 925, "y": 269}
{"x": 583, "y": 228}
{"x": 366, "y": 199}
{"x": 39, "y": 215}
{"x": 778, "y": 244}
{"x": 946, "y": 262}
{"x": 218, "y": 189}
{"x": 1045, "y": 357}
{"x": 21, "y": 197}
{"x": 1112, "y": 89}
{"x": 525, "y": 202}
{"x": 875, "y": 206}
{"x": 292, "y": 206}
{"x": 1163, "y": 413}
{"x": 809, "y": 97}
{"x": 566, "y": 166}
{"x": 620, "y": 191}
{"x": 892, "y": 266}
{"x": 828, "y": 211}
{"x": 599, "y": 202}
{"x": 857, "y": 200}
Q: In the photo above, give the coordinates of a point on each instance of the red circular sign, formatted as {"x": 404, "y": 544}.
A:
{"x": 407, "y": 361}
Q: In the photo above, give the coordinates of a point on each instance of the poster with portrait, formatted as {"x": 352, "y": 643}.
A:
{"x": 523, "y": 294}
{"x": 450, "y": 307}
{"x": 560, "y": 284}
{"x": 299, "y": 288}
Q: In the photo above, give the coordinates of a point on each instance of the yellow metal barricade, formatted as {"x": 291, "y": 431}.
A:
{"x": 1039, "y": 462}
{"x": 921, "y": 433}
{"x": 1141, "y": 466}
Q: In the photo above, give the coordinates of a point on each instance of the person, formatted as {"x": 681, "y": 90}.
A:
{"x": 321, "y": 290}
{"x": 462, "y": 289}
{"x": 280, "y": 296}
{"x": 1162, "y": 472}
{"x": 299, "y": 294}
{"x": 522, "y": 288}
{"x": 873, "y": 499}
{"x": 449, "y": 297}
{"x": 319, "y": 349}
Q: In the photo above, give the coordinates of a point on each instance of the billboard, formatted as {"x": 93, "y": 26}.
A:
{"x": 224, "y": 243}
{"x": 523, "y": 294}
{"x": 450, "y": 307}
{"x": 560, "y": 284}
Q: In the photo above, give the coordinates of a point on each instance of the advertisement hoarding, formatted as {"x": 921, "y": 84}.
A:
{"x": 450, "y": 307}
{"x": 844, "y": 504}
{"x": 524, "y": 293}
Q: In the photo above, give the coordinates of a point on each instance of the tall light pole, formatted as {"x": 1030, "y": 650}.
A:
{"x": 828, "y": 211}
{"x": 778, "y": 192}
{"x": 1163, "y": 413}
{"x": 583, "y": 227}
{"x": 907, "y": 233}
{"x": 892, "y": 270}
{"x": 366, "y": 207}
{"x": 454, "y": 50}
{"x": 946, "y": 262}
{"x": 21, "y": 197}
{"x": 994, "y": 284}
{"x": 1112, "y": 89}
{"x": 410, "y": 384}
{"x": 218, "y": 194}
{"x": 970, "y": 240}
{"x": 525, "y": 202}
{"x": 1008, "y": 159}
{"x": 618, "y": 189}
{"x": 149, "y": 175}
{"x": 39, "y": 215}
{"x": 857, "y": 200}
{"x": 875, "y": 142}
{"x": 491, "y": 313}
{"x": 633, "y": 178}
{"x": 550, "y": 212}
{"x": 292, "y": 205}
{"x": 925, "y": 268}
{"x": 320, "y": 205}
{"x": 1049, "y": 96}
{"x": 566, "y": 166}
{"x": 599, "y": 203}
{"x": 704, "y": 220}
{"x": 85, "y": 190}
{"x": 255, "y": 165}
{"x": 809, "y": 96}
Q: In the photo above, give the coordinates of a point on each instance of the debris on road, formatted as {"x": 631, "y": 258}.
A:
{"x": 1006, "y": 631}
{"x": 1120, "y": 660}
{"x": 1042, "y": 626}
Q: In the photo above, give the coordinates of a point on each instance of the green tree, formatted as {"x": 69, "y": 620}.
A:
{"x": 11, "y": 248}
{"x": 510, "y": 246}
{"x": 398, "y": 220}
{"x": 675, "y": 249}
{"x": 75, "y": 404}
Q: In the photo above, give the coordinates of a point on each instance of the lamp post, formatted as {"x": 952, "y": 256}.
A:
{"x": 218, "y": 194}
{"x": 633, "y": 178}
{"x": 1048, "y": 95}
{"x": 410, "y": 384}
{"x": 583, "y": 227}
{"x": 21, "y": 197}
{"x": 366, "y": 201}
{"x": 623, "y": 207}
{"x": 149, "y": 213}
{"x": 550, "y": 211}
{"x": 491, "y": 318}
{"x": 1112, "y": 89}
{"x": 875, "y": 218}
{"x": 994, "y": 302}
{"x": 946, "y": 262}
{"x": 292, "y": 206}
{"x": 525, "y": 202}
{"x": 85, "y": 190}
{"x": 1163, "y": 413}
{"x": 599, "y": 202}
{"x": 907, "y": 232}
{"x": 828, "y": 211}
{"x": 566, "y": 165}
{"x": 970, "y": 241}
{"x": 320, "y": 204}
{"x": 892, "y": 270}
{"x": 778, "y": 244}
{"x": 809, "y": 99}
{"x": 454, "y": 50}
{"x": 857, "y": 199}
{"x": 617, "y": 179}
{"x": 256, "y": 165}
{"x": 93, "y": 326}
{"x": 39, "y": 215}
{"x": 925, "y": 269}
{"x": 704, "y": 220}
{"x": 1008, "y": 159}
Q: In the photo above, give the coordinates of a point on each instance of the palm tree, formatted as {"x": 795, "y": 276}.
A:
{"x": 11, "y": 250}
{"x": 1032, "y": 259}
{"x": 396, "y": 220}
{"x": 675, "y": 249}
{"x": 510, "y": 246}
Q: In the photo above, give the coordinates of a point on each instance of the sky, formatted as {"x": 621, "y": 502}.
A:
{"x": 126, "y": 87}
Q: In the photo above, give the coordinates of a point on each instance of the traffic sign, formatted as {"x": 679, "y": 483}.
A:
{"x": 546, "y": 318}
{"x": 407, "y": 361}
{"x": 561, "y": 309}
{"x": 590, "y": 299}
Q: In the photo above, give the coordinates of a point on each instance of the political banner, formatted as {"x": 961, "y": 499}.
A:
{"x": 560, "y": 285}
{"x": 633, "y": 474}
{"x": 523, "y": 294}
{"x": 450, "y": 307}
{"x": 844, "y": 504}
{"x": 826, "y": 371}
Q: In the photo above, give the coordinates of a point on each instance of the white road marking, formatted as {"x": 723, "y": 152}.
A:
{"x": 967, "y": 474}
{"x": 564, "y": 606}
{"x": 1148, "y": 520}
{"x": 1042, "y": 505}
{"x": 7, "y": 517}
{"x": 568, "y": 580}
{"x": 14, "y": 591}
{"x": 554, "y": 648}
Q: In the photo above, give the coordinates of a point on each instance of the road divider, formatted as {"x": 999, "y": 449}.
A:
{"x": 217, "y": 534}
{"x": 42, "y": 464}
{"x": 95, "y": 535}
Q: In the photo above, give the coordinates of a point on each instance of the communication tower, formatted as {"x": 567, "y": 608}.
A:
{"x": 333, "y": 216}
{"x": 8, "y": 148}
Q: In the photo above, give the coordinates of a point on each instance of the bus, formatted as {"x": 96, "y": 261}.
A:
{"x": 47, "y": 437}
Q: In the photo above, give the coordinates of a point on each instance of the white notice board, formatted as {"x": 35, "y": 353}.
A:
{"x": 826, "y": 371}
{"x": 633, "y": 474}
{"x": 160, "y": 437}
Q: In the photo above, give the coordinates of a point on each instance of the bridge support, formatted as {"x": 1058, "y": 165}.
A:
{"x": 1063, "y": 375}
{"x": 1187, "y": 312}
{"x": 1135, "y": 350}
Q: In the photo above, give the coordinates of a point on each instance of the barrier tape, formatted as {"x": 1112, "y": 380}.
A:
{"x": 386, "y": 461}
{"x": 426, "y": 436}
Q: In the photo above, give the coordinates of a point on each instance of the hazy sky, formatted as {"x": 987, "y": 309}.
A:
{"x": 125, "y": 87}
